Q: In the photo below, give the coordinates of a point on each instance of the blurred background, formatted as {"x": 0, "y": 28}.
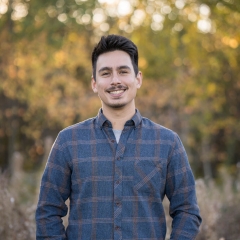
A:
{"x": 190, "y": 58}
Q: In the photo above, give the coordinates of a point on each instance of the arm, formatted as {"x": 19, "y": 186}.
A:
{"x": 180, "y": 190}
{"x": 54, "y": 191}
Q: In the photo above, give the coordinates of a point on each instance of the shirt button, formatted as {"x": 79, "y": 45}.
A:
{"x": 118, "y": 181}
{"x": 118, "y": 204}
{"x": 117, "y": 228}
{"x": 112, "y": 141}
{"x": 118, "y": 158}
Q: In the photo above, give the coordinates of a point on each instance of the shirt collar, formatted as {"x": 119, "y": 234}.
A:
{"x": 135, "y": 120}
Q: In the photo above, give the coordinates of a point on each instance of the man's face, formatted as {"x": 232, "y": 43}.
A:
{"x": 116, "y": 83}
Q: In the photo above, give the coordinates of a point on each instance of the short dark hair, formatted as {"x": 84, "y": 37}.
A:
{"x": 111, "y": 43}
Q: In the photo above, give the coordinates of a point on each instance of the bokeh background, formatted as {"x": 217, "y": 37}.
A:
{"x": 190, "y": 58}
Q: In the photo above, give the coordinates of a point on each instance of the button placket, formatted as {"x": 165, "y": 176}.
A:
{"x": 118, "y": 188}
{"x": 118, "y": 183}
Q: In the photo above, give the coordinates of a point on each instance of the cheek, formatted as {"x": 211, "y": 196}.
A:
{"x": 101, "y": 88}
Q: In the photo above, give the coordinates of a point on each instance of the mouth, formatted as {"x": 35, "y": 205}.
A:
{"x": 116, "y": 92}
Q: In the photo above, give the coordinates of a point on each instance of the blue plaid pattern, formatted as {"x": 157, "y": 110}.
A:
{"x": 116, "y": 190}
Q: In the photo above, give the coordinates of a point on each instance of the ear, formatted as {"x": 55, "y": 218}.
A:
{"x": 139, "y": 79}
{"x": 94, "y": 85}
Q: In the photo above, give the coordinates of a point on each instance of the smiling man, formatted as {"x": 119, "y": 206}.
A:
{"x": 116, "y": 83}
{"x": 117, "y": 167}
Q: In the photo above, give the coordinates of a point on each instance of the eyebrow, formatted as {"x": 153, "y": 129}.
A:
{"x": 124, "y": 67}
{"x": 118, "y": 68}
{"x": 104, "y": 68}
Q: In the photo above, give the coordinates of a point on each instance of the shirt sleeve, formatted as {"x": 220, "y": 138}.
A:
{"x": 180, "y": 190}
{"x": 54, "y": 191}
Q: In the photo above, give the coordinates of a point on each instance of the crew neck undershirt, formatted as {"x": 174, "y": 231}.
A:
{"x": 117, "y": 134}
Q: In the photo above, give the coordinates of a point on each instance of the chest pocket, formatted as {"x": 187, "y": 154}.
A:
{"x": 147, "y": 176}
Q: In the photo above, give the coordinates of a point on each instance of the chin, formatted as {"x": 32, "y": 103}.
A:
{"x": 117, "y": 105}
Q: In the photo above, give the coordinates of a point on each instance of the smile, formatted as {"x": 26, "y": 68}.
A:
{"x": 116, "y": 92}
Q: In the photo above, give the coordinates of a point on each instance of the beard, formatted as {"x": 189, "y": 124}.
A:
{"x": 117, "y": 105}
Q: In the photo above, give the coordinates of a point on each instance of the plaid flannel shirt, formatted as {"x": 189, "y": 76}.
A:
{"x": 116, "y": 190}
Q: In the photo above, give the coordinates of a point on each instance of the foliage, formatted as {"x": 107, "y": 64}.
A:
{"x": 189, "y": 55}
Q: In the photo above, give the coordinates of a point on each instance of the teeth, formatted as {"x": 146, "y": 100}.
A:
{"x": 117, "y": 92}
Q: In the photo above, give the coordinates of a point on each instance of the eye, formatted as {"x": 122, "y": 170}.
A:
{"x": 122, "y": 72}
{"x": 105, "y": 74}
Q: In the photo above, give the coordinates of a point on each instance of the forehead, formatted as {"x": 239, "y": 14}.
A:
{"x": 114, "y": 59}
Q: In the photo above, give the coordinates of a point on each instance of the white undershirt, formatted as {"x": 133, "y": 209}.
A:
{"x": 117, "y": 134}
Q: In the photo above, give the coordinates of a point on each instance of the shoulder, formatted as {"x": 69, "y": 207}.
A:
{"x": 76, "y": 131}
{"x": 163, "y": 132}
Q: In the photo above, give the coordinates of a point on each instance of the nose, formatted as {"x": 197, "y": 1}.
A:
{"x": 115, "y": 79}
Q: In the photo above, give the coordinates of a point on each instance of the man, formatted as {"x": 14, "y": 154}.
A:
{"x": 117, "y": 167}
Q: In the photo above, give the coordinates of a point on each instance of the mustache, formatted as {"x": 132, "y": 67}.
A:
{"x": 114, "y": 88}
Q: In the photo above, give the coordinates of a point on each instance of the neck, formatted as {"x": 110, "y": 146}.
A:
{"x": 118, "y": 117}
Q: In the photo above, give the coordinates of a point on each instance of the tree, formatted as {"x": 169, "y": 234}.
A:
{"x": 189, "y": 55}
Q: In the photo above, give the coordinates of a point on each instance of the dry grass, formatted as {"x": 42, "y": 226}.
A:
{"x": 219, "y": 209}
{"x": 15, "y": 223}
